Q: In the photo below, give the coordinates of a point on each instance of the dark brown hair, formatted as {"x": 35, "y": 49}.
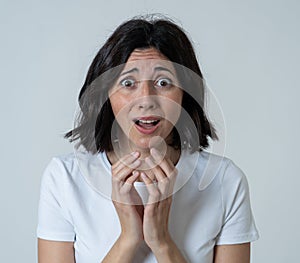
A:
{"x": 93, "y": 127}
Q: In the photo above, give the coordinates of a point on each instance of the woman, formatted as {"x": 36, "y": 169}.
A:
{"x": 142, "y": 121}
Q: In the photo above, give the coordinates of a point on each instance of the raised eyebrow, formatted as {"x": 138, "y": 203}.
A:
{"x": 129, "y": 71}
{"x": 155, "y": 69}
{"x": 164, "y": 69}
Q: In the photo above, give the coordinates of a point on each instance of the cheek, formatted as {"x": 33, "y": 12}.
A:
{"x": 173, "y": 107}
{"x": 116, "y": 104}
{"x": 171, "y": 114}
{"x": 115, "y": 107}
{"x": 120, "y": 109}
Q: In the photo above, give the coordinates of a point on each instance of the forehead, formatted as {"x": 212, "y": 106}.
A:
{"x": 147, "y": 59}
{"x": 144, "y": 54}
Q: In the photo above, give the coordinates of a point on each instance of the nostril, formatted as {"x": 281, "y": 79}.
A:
{"x": 147, "y": 102}
{"x": 146, "y": 106}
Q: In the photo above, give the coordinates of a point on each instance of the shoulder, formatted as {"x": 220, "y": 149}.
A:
{"x": 65, "y": 160}
{"x": 64, "y": 175}
{"x": 210, "y": 167}
{"x": 60, "y": 167}
{"x": 234, "y": 180}
{"x": 225, "y": 174}
{"x": 72, "y": 167}
{"x": 61, "y": 163}
{"x": 69, "y": 162}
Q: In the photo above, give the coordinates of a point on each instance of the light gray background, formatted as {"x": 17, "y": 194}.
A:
{"x": 249, "y": 54}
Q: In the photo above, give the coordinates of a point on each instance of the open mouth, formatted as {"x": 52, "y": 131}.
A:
{"x": 146, "y": 125}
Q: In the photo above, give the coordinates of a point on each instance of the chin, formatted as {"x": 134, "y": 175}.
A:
{"x": 141, "y": 144}
{"x": 145, "y": 143}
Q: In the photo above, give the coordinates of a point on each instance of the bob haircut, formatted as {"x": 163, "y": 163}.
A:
{"x": 93, "y": 127}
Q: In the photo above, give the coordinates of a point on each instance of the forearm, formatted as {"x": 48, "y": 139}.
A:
{"x": 121, "y": 251}
{"x": 169, "y": 253}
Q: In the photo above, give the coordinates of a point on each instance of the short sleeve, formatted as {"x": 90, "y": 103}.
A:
{"x": 238, "y": 222}
{"x": 54, "y": 222}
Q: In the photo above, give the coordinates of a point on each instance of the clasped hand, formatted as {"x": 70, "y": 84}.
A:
{"x": 139, "y": 222}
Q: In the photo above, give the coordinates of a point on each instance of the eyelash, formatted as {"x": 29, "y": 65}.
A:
{"x": 168, "y": 85}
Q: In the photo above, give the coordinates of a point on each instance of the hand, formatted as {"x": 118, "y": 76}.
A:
{"x": 125, "y": 198}
{"x": 157, "y": 209}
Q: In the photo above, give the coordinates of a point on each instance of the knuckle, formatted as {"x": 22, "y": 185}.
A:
{"x": 114, "y": 166}
{"x": 115, "y": 181}
{"x": 165, "y": 181}
{"x": 155, "y": 194}
{"x": 122, "y": 191}
{"x": 164, "y": 190}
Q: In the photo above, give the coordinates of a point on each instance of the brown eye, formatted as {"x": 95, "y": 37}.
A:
{"x": 127, "y": 83}
{"x": 163, "y": 82}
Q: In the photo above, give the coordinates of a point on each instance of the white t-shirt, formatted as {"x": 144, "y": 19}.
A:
{"x": 211, "y": 207}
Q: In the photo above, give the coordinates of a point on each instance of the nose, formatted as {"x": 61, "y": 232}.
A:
{"x": 147, "y": 96}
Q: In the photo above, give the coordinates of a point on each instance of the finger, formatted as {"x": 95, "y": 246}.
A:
{"x": 166, "y": 166}
{"x": 172, "y": 180}
{"x": 127, "y": 160}
{"x": 153, "y": 191}
{"x": 150, "y": 174}
{"x": 169, "y": 170}
{"x": 163, "y": 180}
{"x": 126, "y": 171}
{"x": 159, "y": 175}
{"x": 126, "y": 193}
{"x": 125, "y": 166}
{"x": 129, "y": 182}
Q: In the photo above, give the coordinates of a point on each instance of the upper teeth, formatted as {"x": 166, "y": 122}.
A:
{"x": 147, "y": 121}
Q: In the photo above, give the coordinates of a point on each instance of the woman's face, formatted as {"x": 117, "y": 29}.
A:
{"x": 146, "y": 98}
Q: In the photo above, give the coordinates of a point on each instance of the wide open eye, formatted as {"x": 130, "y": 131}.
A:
{"x": 163, "y": 83}
{"x": 127, "y": 83}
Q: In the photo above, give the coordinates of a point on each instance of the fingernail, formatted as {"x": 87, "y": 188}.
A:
{"x": 136, "y": 163}
{"x": 135, "y": 154}
{"x": 153, "y": 151}
{"x": 143, "y": 175}
{"x": 134, "y": 173}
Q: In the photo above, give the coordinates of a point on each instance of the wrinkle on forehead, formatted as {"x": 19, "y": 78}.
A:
{"x": 145, "y": 60}
{"x": 149, "y": 53}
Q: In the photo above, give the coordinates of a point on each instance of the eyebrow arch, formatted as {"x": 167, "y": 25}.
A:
{"x": 129, "y": 71}
{"x": 155, "y": 69}
{"x": 163, "y": 69}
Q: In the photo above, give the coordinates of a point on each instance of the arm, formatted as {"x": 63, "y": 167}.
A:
{"x": 53, "y": 220}
{"x": 239, "y": 253}
{"x": 239, "y": 230}
{"x": 121, "y": 251}
{"x": 130, "y": 214}
{"x": 55, "y": 251}
{"x": 156, "y": 213}
{"x": 169, "y": 253}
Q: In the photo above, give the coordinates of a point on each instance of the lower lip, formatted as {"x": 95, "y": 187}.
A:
{"x": 147, "y": 131}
